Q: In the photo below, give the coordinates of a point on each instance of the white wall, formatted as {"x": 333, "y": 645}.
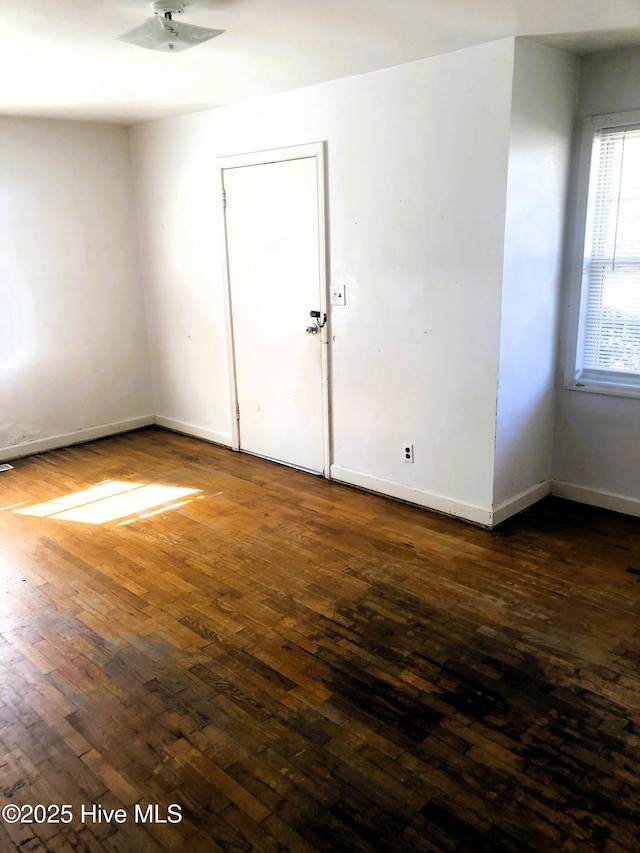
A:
{"x": 597, "y": 442}
{"x": 73, "y": 348}
{"x": 416, "y": 189}
{"x": 543, "y": 105}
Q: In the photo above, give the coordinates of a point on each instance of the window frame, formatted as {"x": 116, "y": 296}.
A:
{"x": 600, "y": 382}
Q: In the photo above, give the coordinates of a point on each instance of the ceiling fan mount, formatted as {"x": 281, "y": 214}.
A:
{"x": 167, "y": 7}
{"x": 161, "y": 32}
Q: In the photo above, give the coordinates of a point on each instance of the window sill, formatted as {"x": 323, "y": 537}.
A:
{"x": 608, "y": 385}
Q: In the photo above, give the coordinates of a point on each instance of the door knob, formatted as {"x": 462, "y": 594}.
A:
{"x": 315, "y": 327}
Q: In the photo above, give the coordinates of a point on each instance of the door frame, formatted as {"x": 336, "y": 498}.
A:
{"x": 312, "y": 150}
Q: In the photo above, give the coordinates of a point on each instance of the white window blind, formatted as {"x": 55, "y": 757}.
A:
{"x": 611, "y": 330}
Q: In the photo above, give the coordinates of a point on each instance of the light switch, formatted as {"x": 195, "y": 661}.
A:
{"x": 337, "y": 294}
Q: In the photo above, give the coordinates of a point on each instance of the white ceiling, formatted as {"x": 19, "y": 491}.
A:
{"x": 60, "y": 59}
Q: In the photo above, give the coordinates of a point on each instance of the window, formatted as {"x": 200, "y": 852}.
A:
{"x": 606, "y": 349}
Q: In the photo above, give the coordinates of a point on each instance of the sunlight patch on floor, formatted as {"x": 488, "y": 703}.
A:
{"x": 108, "y": 501}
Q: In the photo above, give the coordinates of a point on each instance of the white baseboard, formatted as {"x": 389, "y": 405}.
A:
{"x": 197, "y": 431}
{"x": 593, "y": 497}
{"x": 476, "y": 514}
{"x": 520, "y": 502}
{"x": 29, "y": 448}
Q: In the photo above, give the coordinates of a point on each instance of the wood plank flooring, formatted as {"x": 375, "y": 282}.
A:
{"x": 291, "y": 665}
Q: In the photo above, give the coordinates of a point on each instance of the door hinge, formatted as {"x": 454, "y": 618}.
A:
{"x": 237, "y": 412}
{"x": 224, "y": 198}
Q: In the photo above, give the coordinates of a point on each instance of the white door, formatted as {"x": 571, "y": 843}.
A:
{"x": 276, "y": 271}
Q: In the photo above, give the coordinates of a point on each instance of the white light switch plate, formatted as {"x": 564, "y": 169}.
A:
{"x": 337, "y": 294}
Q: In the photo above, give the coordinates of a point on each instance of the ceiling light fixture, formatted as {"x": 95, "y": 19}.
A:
{"x": 161, "y": 32}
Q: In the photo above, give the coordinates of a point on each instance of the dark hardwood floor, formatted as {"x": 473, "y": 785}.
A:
{"x": 300, "y": 666}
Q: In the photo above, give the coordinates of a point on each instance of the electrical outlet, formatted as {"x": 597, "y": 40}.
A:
{"x": 407, "y": 451}
{"x": 337, "y": 294}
